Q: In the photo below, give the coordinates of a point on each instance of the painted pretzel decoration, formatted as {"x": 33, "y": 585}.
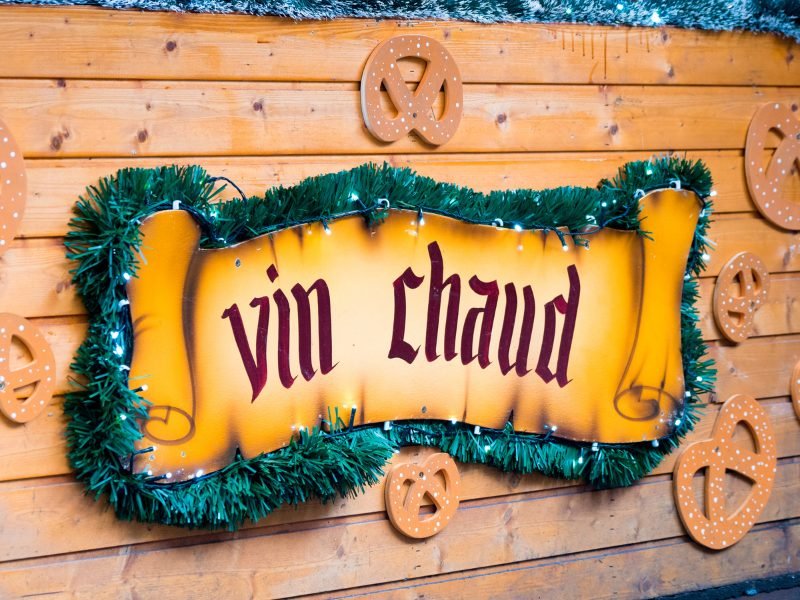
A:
{"x": 403, "y": 502}
{"x": 766, "y": 183}
{"x": 748, "y": 276}
{"x": 716, "y": 528}
{"x": 40, "y": 372}
{"x": 415, "y": 110}
{"x": 13, "y": 187}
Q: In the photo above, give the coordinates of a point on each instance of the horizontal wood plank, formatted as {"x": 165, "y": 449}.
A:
{"x": 364, "y": 550}
{"x": 81, "y": 43}
{"x": 779, "y": 314}
{"x": 36, "y": 280}
{"x": 779, "y": 249}
{"x": 628, "y": 572}
{"x": 95, "y": 118}
{"x": 759, "y": 367}
{"x": 54, "y": 185}
{"x": 90, "y": 91}
{"x": 38, "y": 448}
{"x": 39, "y": 511}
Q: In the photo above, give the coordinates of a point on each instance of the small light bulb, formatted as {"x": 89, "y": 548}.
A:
{"x": 119, "y": 350}
{"x": 517, "y": 227}
{"x": 126, "y": 276}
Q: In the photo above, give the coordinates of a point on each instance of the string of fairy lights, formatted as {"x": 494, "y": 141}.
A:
{"x": 334, "y": 426}
{"x": 332, "y": 456}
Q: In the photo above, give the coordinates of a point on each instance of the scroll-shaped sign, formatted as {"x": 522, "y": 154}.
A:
{"x": 426, "y": 318}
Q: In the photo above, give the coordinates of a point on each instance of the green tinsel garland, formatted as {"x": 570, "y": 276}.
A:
{"x": 103, "y": 412}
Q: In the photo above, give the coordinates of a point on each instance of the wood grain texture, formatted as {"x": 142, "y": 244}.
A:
{"x": 38, "y": 509}
{"x": 86, "y": 43}
{"x": 38, "y": 449}
{"x": 761, "y": 367}
{"x": 660, "y": 569}
{"x": 91, "y": 91}
{"x": 56, "y": 184}
{"x": 779, "y": 314}
{"x": 364, "y": 549}
{"x": 35, "y": 279}
{"x": 94, "y": 118}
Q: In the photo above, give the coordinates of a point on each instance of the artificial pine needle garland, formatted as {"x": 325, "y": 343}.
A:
{"x": 104, "y": 412}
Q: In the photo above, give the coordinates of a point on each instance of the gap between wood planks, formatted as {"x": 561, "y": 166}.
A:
{"x": 233, "y": 554}
{"x": 756, "y": 537}
{"x": 41, "y": 507}
{"x": 44, "y": 437}
{"x": 115, "y": 119}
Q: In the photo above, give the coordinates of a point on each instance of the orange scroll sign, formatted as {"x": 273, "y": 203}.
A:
{"x": 407, "y": 319}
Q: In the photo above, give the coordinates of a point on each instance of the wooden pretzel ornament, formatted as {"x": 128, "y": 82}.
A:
{"x": 13, "y": 187}
{"x": 714, "y": 527}
{"x": 403, "y": 502}
{"x": 733, "y": 312}
{"x": 414, "y": 110}
{"x": 40, "y": 372}
{"x": 766, "y": 183}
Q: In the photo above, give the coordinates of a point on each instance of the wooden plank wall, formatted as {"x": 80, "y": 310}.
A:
{"x": 267, "y": 102}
